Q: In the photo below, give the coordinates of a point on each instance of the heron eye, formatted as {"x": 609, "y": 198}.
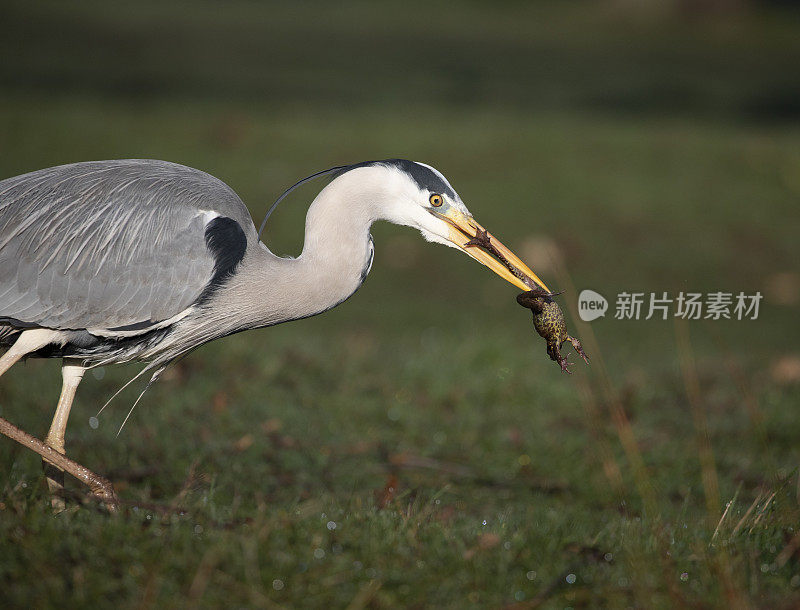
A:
{"x": 436, "y": 200}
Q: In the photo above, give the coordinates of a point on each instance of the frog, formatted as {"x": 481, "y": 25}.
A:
{"x": 548, "y": 319}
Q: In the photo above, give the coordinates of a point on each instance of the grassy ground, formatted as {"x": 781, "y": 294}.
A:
{"x": 414, "y": 447}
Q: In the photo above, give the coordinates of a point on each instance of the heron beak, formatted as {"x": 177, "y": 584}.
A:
{"x": 463, "y": 228}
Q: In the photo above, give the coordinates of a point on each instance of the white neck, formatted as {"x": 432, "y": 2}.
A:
{"x": 337, "y": 252}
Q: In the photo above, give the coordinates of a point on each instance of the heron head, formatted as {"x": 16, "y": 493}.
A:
{"x": 422, "y": 197}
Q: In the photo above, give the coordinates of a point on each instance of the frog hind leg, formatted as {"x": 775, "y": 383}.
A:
{"x": 578, "y": 348}
{"x": 555, "y": 355}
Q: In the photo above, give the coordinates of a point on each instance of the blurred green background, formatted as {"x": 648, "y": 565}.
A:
{"x": 414, "y": 446}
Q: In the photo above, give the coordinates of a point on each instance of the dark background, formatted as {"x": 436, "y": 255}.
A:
{"x": 617, "y": 145}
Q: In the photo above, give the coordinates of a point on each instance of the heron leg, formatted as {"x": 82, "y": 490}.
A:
{"x": 100, "y": 487}
{"x": 28, "y": 341}
{"x": 72, "y": 373}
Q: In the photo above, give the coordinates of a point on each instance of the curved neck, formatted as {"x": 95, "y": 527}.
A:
{"x": 339, "y": 218}
{"x": 337, "y": 253}
{"x": 337, "y": 226}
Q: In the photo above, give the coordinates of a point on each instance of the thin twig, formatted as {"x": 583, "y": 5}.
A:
{"x": 747, "y": 513}
{"x": 761, "y": 512}
{"x": 725, "y": 513}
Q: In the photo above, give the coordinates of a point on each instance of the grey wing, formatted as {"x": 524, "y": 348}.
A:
{"x": 110, "y": 244}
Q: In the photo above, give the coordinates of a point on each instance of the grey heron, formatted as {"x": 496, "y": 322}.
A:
{"x": 141, "y": 260}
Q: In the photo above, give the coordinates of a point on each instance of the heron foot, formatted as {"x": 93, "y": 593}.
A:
{"x": 101, "y": 488}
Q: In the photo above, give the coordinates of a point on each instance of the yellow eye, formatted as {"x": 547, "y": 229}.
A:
{"x": 436, "y": 200}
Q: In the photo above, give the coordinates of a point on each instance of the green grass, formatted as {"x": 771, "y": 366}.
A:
{"x": 255, "y": 474}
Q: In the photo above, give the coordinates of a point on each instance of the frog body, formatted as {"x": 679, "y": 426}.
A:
{"x": 548, "y": 320}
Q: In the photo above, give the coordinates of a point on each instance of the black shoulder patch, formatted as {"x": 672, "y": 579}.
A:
{"x": 227, "y": 242}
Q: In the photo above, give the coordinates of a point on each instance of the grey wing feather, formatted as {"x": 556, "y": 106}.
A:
{"x": 108, "y": 244}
